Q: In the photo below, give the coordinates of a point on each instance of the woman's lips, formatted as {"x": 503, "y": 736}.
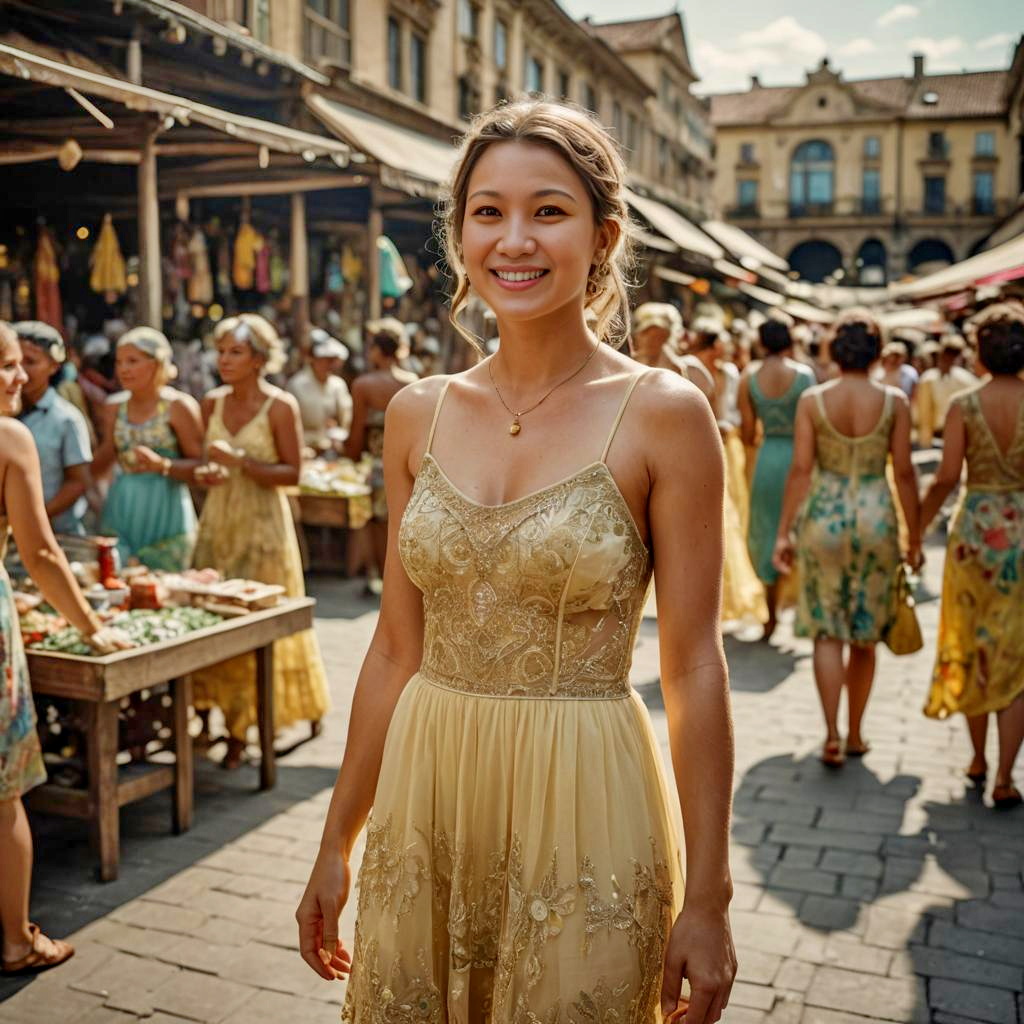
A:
{"x": 519, "y": 286}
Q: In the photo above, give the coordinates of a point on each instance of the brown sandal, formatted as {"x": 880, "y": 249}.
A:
{"x": 1005, "y": 798}
{"x": 45, "y": 953}
{"x": 832, "y": 754}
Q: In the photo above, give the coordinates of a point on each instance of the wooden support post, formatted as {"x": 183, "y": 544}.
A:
{"x": 374, "y": 229}
{"x": 150, "y": 270}
{"x": 299, "y": 271}
{"x": 184, "y": 769}
{"x": 265, "y": 715}
{"x": 104, "y": 809}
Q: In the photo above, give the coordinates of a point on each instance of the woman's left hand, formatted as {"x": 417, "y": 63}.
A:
{"x": 782, "y": 555}
{"x": 221, "y": 452}
{"x": 700, "y": 949}
{"x": 914, "y": 557}
{"x": 146, "y": 460}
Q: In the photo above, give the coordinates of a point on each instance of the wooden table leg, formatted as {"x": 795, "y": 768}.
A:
{"x": 265, "y": 715}
{"x": 101, "y": 721}
{"x": 184, "y": 767}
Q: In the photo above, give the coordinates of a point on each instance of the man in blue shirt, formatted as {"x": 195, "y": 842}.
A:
{"x": 59, "y": 429}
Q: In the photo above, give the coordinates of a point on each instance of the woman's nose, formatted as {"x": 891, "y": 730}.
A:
{"x": 516, "y": 240}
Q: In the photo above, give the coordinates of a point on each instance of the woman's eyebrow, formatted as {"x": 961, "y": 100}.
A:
{"x": 536, "y": 195}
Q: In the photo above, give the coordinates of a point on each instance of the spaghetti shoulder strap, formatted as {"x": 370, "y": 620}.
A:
{"x": 819, "y": 401}
{"x": 437, "y": 412}
{"x": 633, "y": 381}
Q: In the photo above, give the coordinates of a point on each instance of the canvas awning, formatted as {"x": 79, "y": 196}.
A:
{"x": 410, "y": 161}
{"x": 966, "y": 273}
{"x": 805, "y": 311}
{"x": 33, "y": 67}
{"x": 675, "y": 226}
{"x": 750, "y": 252}
{"x": 763, "y": 295}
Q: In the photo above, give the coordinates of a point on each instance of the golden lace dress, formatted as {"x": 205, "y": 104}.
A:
{"x": 521, "y": 860}
{"x": 847, "y": 549}
{"x": 21, "y": 759}
{"x": 979, "y": 664}
{"x": 246, "y": 531}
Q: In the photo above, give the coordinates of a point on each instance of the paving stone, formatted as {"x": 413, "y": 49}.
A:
{"x": 832, "y": 913}
{"x": 803, "y": 879}
{"x": 777, "y": 811}
{"x": 274, "y": 1008}
{"x": 182, "y": 887}
{"x": 846, "y": 862}
{"x": 786, "y": 902}
{"x": 928, "y": 962}
{"x": 261, "y": 966}
{"x": 127, "y": 982}
{"x": 742, "y": 1015}
{"x": 245, "y": 910}
{"x": 897, "y": 999}
{"x": 160, "y": 916}
{"x": 853, "y": 887}
{"x": 757, "y": 997}
{"x": 799, "y": 835}
{"x": 128, "y": 938}
{"x": 859, "y": 821}
{"x": 200, "y": 997}
{"x": 795, "y": 975}
{"x": 197, "y": 955}
{"x": 892, "y": 929}
{"x": 222, "y": 932}
{"x": 802, "y": 857}
{"x": 819, "y": 1015}
{"x": 105, "y": 1015}
{"x": 977, "y": 1002}
{"x": 756, "y": 967}
{"x": 841, "y": 951}
{"x": 745, "y": 896}
{"x": 985, "y": 917}
{"x": 769, "y": 934}
{"x": 974, "y": 943}
{"x": 38, "y": 1003}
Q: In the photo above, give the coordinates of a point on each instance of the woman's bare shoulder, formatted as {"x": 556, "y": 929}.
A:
{"x": 16, "y": 441}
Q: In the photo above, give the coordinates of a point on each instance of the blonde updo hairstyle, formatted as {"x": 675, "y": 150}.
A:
{"x": 154, "y": 344}
{"x": 259, "y": 334}
{"x": 591, "y": 152}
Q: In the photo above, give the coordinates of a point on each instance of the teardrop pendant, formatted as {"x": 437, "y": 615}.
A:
{"x": 515, "y": 428}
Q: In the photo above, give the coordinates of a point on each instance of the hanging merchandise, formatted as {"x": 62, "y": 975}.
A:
{"x": 181, "y": 261}
{"x": 46, "y": 281}
{"x": 200, "y": 281}
{"x": 224, "y": 266}
{"x": 334, "y": 281}
{"x": 351, "y": 264}
{"x": 108, "y": 276}
{"x": 278, "y": 267}
{"x": 248, "y": 242}
{"x": 394, "y": 279}
{"x": 263, "y": 268}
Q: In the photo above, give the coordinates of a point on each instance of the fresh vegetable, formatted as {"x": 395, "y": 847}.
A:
{"x": 144, "y": 627}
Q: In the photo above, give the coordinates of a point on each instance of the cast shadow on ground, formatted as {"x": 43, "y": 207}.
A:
{"x": 941, "y": 903}
{"x": 759, "y": 667}
{"x": 341, "y": 598}
{"x": 66, "y": 894}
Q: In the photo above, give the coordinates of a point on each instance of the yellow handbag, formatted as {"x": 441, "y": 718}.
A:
{"x": 903, "y": 635}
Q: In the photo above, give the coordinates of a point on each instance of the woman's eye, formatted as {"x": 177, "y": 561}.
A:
{"x": 551, "y": 211}
{"x": 486, "y": 211}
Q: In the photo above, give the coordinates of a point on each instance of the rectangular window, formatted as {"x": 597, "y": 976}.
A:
{"x": 588, "y": 97}
{"x": 617, "y": 119}
{"x": 533, "y": 74}
{"x": 395, "y": 76}
{"x": 985, "y": 144}
{"x": 469, "y": 19}
{"x": 418, "y": 67}
{"x": 563, "y": 84}
{"x": 937, "y": 148}
{"x": 984, "y": 192}
{"x": 666, "y": 88}
{"x": 871, "y": 191}
{"x": 327, "y": 29}
{"x": 746, "y": 153}
{"x": 934, "y": 195}
{"x": 662, "y": 156}
{"x": 501, "y": 44}
{"x": 631, "y": 132}
{"x": 872, "y": 147}
{"x": 746, "y": 194}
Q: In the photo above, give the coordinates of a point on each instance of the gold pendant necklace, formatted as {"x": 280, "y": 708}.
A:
{"x": 515, "y": 428}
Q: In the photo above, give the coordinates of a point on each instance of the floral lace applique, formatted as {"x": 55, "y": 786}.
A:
{"x": 390, "y": 873}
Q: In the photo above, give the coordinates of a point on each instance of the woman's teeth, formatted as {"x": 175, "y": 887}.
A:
{"x": 523, "y": 275}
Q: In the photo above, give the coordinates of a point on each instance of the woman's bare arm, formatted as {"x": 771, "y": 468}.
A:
{"x": 954, "y": 447}
{"x": 37, "y": 546}
{"x": 748, "y": 419}
{"x": 105, "y": 454}
{"x": 798, "y": 482}
{"x": 356, "y": 440}
{"x": 685, "y": 510}
{"x": 905, "y": 476}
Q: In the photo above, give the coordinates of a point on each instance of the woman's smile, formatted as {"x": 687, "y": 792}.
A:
{"x": 517, "y": 279}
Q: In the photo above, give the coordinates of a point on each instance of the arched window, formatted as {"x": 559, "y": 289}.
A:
{"x": 929, "y": 254}
{"x": 812, "y": 179}
{"x": 871, "y": 262}
{"x": 815, "y": 260}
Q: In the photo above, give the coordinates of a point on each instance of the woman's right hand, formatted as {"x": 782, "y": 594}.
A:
{"x": 783, "y": 554}
{"x": 318, "y": 913}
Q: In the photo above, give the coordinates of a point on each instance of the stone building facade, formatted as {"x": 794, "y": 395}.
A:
{"x": 865, "y": 181}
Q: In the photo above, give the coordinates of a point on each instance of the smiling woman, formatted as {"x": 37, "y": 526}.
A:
{"x": 522, "y": 857}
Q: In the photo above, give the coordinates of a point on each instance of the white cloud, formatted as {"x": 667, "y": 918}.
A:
{"x": 781, "y": 43}
{"x": 938, "y": 51}
{"x": 1000, "y": 39}
{"x": 857, "y": 47}
{"x": 901, "y": 12}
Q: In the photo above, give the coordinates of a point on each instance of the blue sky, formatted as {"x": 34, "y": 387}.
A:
{"x": 779, "y": 39}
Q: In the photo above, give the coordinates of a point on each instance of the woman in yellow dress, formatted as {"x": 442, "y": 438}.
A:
{"x": 254, "y": 434}
{"x": 521, "y": 860}
{"x": 979, "y": 665}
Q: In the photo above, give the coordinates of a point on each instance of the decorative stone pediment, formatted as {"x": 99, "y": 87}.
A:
{"x": 826, "y": 98}
{"x": 422, "y": 12}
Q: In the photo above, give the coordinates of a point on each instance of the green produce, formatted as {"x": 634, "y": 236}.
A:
{"x": 143, "y": 627}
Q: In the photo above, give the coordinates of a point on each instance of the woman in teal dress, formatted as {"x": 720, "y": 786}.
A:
{"x": 156, "y": 435}
{"x": 846, "y": 539}
{"x": 769, "y": 392}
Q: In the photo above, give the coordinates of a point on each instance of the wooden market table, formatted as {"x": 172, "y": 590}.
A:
{"x": 101, "y": 682}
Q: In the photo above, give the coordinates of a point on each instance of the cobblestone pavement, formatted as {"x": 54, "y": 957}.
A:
{"x": 886, "y": 892}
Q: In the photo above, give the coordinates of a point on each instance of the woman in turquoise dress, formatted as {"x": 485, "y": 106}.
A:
{"x": 846, "y": 539}
{"x": 156, "y": 435}
{"x": 769, "y": 392}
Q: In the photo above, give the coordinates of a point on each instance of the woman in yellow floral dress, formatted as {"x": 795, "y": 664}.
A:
{"x": 846, "y": 539}
{"x": 979, "y": 665}
{"x": 246, "y": 531}
{"x": 521, "y": 859}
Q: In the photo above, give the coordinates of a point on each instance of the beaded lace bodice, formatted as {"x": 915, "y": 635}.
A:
{"x": 779, "y": 414}
{"x": 852, "y": 456}
{"x": 156, "y": 433}
{"x": 537, "y": 597}
{"x": 988, "y": 468}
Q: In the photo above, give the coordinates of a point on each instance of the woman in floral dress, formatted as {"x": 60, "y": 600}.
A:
{"x": 846, "y": 538}
{"x": 979, "y": 665}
